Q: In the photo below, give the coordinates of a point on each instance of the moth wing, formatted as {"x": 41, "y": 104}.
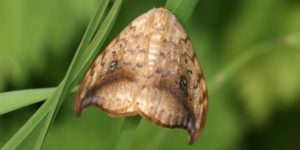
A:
{"x": 196, "y": 86}
{"x": 178, "y": 95}
{"x": 177, "y": 100}
{"x": 111, "y": 81}
{"x": 150, "y": 69}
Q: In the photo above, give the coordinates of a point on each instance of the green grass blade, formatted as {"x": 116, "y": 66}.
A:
{"x": 128, "y": 130}
{"x": 60, "y": 93}
{"x": 100, "y": 37}
{"x": 98, "y": 41}
{"x": 182, "y": 9}
{"x": 89, "y": 34}
{"x": 10, "y": 101}
{"x": 48, "y": 118}
{"x": 28, "y": 127}
{"x": 93, "y": 48}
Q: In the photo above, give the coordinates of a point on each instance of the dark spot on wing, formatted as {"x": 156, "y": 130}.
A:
{"x": 113, "y": 65}
{"x": 139, "y": 65}
{"x": 183, "y": 83}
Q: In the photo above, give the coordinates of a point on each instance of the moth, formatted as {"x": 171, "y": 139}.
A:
{"x": 150, "y": 69}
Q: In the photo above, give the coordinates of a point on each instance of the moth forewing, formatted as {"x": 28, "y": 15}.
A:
{"x": 152, "y": 70}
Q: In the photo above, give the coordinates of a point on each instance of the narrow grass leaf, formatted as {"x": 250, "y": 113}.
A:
{"x": 93, "y": 25}
{"x": 128, "y": 131}
{"x": 28, "y": 127}
{"x": 10, "y": 101}
{"x": 182, "y": 9}
{"x": 73, "y": 69}
{"x": 97, "y": 43}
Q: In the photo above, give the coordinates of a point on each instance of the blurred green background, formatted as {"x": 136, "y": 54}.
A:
{"x": 249, "y": 51}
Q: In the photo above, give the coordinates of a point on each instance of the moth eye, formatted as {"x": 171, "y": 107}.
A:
{"x": 183, "y": 83}
{"x": 113, "y": 65}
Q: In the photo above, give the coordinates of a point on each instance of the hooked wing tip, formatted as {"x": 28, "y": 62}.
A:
{"x": 193, "y": 137}
{"x": 81, "y": 104}
{"x": 78, "y": 110}
{"x": 193, "y": 132}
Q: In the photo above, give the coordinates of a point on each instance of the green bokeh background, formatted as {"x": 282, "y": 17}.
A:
{"x": 258, "y": 107}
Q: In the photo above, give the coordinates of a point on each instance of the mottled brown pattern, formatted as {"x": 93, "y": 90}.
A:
{"x": 152, "y": 70}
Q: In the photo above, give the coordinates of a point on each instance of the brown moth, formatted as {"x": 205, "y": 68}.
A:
{"x": 149, "y": 69}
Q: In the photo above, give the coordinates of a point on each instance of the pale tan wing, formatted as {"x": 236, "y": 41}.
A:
{"x": 194, "y": 85}
{"x": 111, "y": 82}
{"x": 175, "y": 94}
{"x": 150, "y": 69}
